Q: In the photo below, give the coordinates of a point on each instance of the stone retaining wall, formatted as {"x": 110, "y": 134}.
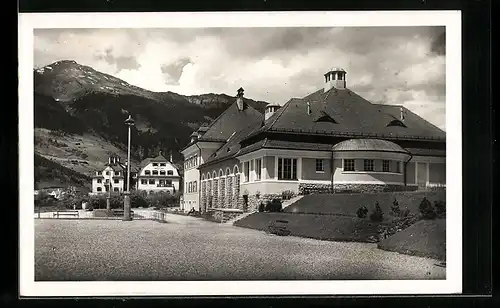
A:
{"x": 308, "y": 188}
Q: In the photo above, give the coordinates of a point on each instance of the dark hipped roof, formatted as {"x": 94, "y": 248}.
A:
{"x": 368, "y": 145}
{"x": 232, "y": 146}
{"x": 229, "y": 121}
{"x": 355, "y": 117}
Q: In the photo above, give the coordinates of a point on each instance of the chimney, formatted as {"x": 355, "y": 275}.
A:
{"x": 270, "y": 110}
{"x": 239, "y": 99}
{"x": 308, "y": 108}
{"x": 335, "y": 78}
{"x": 402, "y": 113}
{"x": 109, "y": 160}
{"x": 171, "y": 159}
{"x": 194, "y": 137}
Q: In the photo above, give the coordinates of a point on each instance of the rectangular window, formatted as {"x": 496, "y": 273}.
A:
{"x": 190, "y": 189}
{"x": 107, "y": 172}
{"x": 117, "y": 173}
{"x": 258, "y": 169}
{"x": 116, "y": 181}
{"x": 170, "y": 172}
{"x": 162, "y": 172}
{"x": 155, "y": 164}
{"x": 195, "y": 186}
{"x": 144, "y": 181}
{"x": 287, "y": 168}
{"x": 99, "y": 181}
{"x": 152, "y": 181}
{"x": 168, "y": 182}
{"x": 386, "y": 166}
{"x": 246, "y": 170}
{"x": 368, "y": 165}
{"x": 319, "y": 165}
{"x": 155, "y": 172}
{"x": 147, "y": 172}
{"x": 107, "y": 188}
{"x": 115, "y": 189}
{"x": 398, "y": 167}
{"x": 348, "y": 164}
{"x": 162, "y": 165}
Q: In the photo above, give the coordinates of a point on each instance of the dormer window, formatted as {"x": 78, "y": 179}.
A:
{"x": 396, "y": 122}
{"x": 147, "y": 172}
{"x": 155, "y": 172}
{"x": 155, "y": 164}
{"x": 162, "y": 172}
{"x": 170, "y": 172}
{"x": 324, "y": 117}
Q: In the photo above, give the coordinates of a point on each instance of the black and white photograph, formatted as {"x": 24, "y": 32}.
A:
{"x": 240, "y": 153}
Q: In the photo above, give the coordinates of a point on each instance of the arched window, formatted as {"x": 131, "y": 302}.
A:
{"x": 208, "y": 175}
{"x": 228, "y": 171}
{"x": 214, "y": 174}
{"x": 221, "y": 173}
{"x": 99, "y": 188}
{"x": 236, "y": 170}
{"x": 202, "y": 177}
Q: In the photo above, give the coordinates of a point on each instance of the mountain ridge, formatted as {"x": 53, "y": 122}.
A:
{"x": 76, "y": 100}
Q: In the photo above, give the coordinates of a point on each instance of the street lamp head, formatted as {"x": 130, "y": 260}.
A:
{"x": 129, "y": 121}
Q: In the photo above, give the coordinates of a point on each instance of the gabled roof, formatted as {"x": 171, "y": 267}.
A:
{"x": 355, "y": 117}
{"x": 157, "y": 159}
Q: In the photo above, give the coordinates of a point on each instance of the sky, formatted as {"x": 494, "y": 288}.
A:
{"x": 388, "y": 65}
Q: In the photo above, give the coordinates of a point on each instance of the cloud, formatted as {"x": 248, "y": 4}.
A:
{"x": 389, "y": 65}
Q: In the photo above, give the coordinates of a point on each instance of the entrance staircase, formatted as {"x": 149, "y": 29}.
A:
{"x": 287, "y": 203}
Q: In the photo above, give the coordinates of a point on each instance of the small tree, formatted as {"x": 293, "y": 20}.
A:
{"x": 426, "y": 209}
{"x": 362, "y": 211}
{"x": 440, "y": 207}
{"x": 395, "y": 210}
{"x": 377, "y": 214}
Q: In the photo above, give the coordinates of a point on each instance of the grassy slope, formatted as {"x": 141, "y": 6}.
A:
{"x": 49, "y": 173}
{"x": 323, "y": 227}
{"x": 90, "y": 151}
{"x": 348, "y": 204}
{"x": 426, "y": 238}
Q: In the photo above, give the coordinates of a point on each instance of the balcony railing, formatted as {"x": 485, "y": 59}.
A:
{"x": 164, "y": 185}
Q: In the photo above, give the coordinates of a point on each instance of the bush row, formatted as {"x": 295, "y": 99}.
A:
{"x": 137, "y": 199}
{"x": 427, "y": 210}
{"x": 271, "y": 206}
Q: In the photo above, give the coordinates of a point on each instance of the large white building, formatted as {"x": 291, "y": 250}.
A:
{"x": 332, "y": 140}
{"x": 158, "y": 174}
{"x": 112, "y": 177}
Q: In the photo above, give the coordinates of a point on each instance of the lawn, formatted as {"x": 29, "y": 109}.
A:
{"x": 348, "y": 204}
{"x": 322, "y": 227}
{"x": 426, "y": 238}
{"x": 187, "y": 248}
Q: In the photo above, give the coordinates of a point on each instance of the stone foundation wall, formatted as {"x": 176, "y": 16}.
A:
{"x": 255, "y": 200}
{"x": 308, "y": 188}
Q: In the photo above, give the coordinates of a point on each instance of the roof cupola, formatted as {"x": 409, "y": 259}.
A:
{"x": 335, "y": 78}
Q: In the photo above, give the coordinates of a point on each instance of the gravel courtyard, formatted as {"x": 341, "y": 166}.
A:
{"x": 187, "y": 248}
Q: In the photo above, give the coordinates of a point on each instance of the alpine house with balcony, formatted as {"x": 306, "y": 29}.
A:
{"x": 158, "y": 174}
{"x": 330, "y": 141}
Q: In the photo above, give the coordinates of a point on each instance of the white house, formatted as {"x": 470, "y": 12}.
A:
{"x": 158, "y": 174}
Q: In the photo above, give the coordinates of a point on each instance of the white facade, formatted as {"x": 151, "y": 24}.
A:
{"x": 102, "y": 179}
{"x": 158, "y": 175}
{"x": 195, "y": 155}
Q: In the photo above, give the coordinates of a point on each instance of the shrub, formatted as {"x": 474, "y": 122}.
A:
{"x": 274, "y": 206}
{"x": 137, "y": 200}
{"x": 377, "y": 214}
{"x": 405, "y": 212}
{"x": 440, "y": 207}
{"x": 261, "y": 207}
{"x": 426, "y": 209}
{"x": 362, "y": 211}
{"x": 287, "y": 195}
{"x": 395, "y": 210}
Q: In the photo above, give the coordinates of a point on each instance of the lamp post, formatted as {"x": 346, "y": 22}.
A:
{"x": 126, "y": 196}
